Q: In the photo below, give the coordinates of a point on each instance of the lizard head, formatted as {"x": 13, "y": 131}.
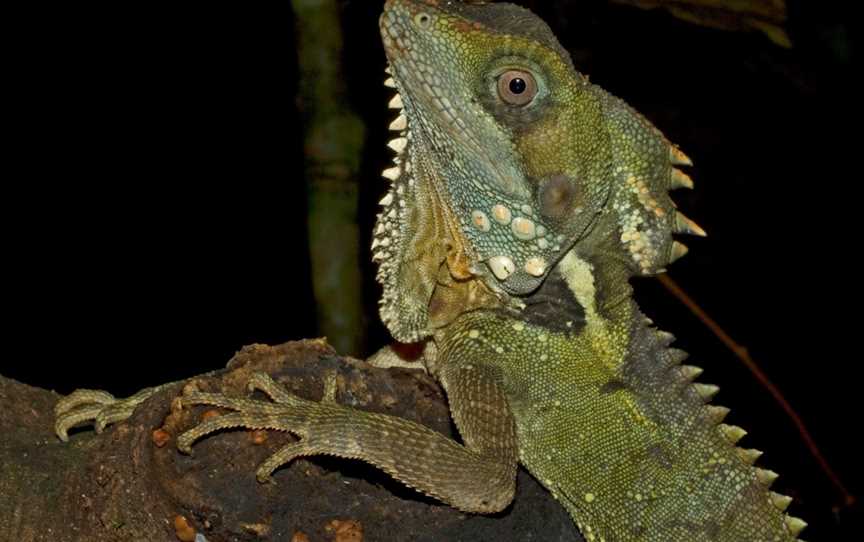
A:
{"x": 507, "y": 157}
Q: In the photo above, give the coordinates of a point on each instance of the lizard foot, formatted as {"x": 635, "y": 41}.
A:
{"x": 287, "y": 413}
{"x": 471, "y": 478}
{"x": 98, "y": 406}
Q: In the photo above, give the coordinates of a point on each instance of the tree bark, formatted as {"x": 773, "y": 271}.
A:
{"x": 130, "y": 482}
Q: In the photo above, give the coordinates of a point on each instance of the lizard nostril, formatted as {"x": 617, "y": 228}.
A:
{"x": 423, "y": 20}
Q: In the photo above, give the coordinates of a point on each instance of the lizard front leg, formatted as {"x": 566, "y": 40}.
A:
{"x": 478, "y": 476}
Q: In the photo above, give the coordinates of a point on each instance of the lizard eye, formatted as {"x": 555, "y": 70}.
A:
{"x": 517, "y": 87}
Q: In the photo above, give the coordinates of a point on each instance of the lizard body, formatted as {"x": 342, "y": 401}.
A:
{"x": 606, "y": 417}
{"x": 523, "y": 200}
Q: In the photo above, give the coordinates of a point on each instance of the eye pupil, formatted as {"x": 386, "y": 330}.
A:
{"x": 518, "y": 85}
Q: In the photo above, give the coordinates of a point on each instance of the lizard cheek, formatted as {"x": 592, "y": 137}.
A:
{"x": 557, "y": 196}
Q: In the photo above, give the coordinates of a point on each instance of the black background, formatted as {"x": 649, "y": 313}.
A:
{"x": 153, "y": 208}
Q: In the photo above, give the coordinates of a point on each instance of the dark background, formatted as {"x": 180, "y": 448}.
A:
{"x": 153, "y": 208}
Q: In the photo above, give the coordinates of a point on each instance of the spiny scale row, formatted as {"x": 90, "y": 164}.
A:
{"x": 734, "y": 434}
{"x": 399, "y": 124}
{"x": 683, "y": 225}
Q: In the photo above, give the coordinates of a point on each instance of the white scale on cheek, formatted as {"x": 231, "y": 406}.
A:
{"x": 535, "y": 266}
{"x": 502, "y": 214}
{"x": 502, "y": 266}
{"x": 481, "y": 221}
{"x": 524, "y": 229}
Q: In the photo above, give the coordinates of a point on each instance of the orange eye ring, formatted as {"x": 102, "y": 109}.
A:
{"x": 517, "y": 87}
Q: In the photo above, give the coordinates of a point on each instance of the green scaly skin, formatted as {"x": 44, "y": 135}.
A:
{"x": 506, "y": 242}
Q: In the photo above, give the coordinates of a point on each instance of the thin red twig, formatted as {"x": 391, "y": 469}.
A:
{"x": 742, "y": 354}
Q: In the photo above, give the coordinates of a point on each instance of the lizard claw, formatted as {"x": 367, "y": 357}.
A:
{"x": 96, "y": 406}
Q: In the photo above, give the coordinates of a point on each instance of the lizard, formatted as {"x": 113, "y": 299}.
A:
{"x": 523, "y": 199}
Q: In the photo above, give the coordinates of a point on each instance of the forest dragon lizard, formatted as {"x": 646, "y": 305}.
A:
{"x": 523, "y": 198}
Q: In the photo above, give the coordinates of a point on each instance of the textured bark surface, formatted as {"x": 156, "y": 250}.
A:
{"x": 121, "y": 485}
